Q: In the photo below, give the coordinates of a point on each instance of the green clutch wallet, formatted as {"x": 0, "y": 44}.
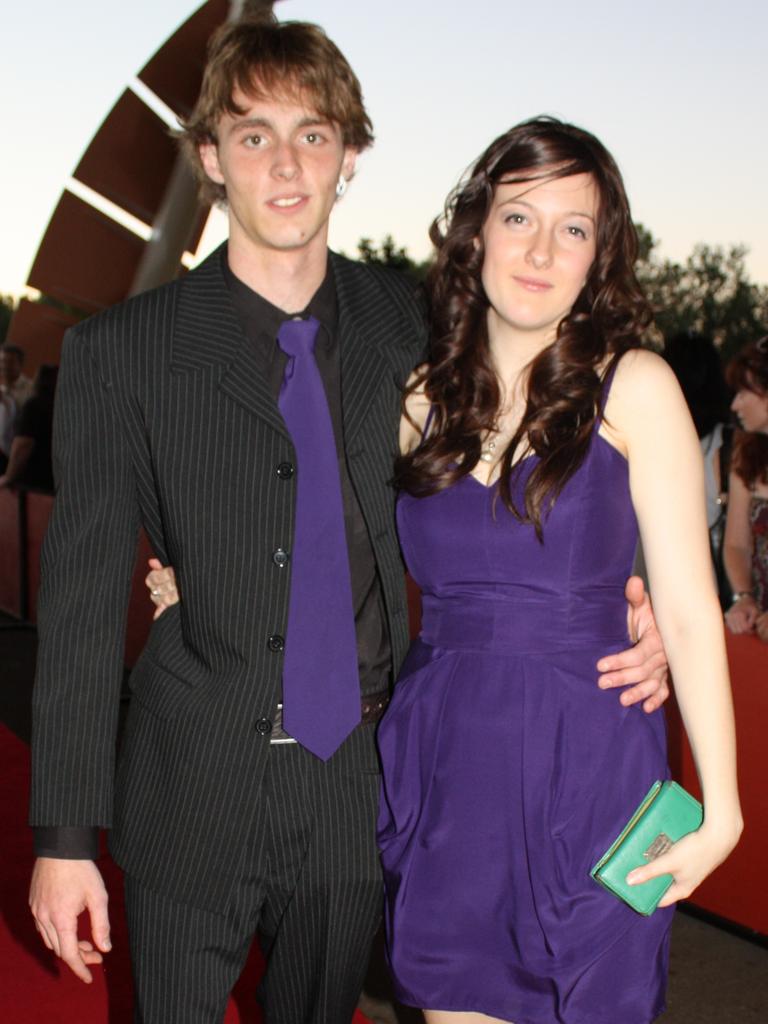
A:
{"x": 666, "y": 814}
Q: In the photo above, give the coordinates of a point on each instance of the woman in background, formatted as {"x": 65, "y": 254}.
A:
{"x": 746, "y": 529}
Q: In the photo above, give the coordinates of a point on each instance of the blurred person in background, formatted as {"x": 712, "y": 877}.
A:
{"x": 12, "y": 380}
{"x": 696, "y": 363}
{"x": 745, "y": 549}
{"x": 15, "y": 389}
{"x": 29, "y": 457}
{"x": 7, "y": 417}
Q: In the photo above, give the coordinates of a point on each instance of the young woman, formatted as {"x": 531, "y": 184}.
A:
{"x": 535, "y": 439}
{"x": 746, "y": 529}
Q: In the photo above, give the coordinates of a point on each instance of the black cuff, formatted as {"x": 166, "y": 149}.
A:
{"x": 66, "y": 842}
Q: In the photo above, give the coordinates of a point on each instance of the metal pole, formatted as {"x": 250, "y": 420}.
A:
{"x": 181, "y": 207}
{"x": 171, "y": 230}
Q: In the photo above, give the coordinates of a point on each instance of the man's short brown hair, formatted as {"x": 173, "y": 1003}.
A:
{"x": 263, "y": 57}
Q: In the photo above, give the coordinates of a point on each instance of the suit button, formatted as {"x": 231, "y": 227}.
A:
{"x": 263, "y": 727}
{"x": 276, "y": 642}
{"x": 280, "y": 558}
{"x": 285, "y": 470}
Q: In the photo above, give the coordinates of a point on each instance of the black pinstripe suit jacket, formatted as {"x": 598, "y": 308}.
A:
{"x": 164, "y": 419}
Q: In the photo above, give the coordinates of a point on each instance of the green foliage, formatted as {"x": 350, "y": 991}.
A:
{"x": 389, "y": 254}
{"x": 710, "y": 292}
{"x": 7, "y": 307}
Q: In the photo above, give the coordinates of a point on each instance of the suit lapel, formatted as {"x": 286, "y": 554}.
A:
{"x": 208, "y": 336}
{"x": 245, "y": 382}
{"x": 368, "y": 326}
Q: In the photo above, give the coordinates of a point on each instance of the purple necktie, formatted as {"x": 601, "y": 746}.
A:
{"x": 321, "y": 683}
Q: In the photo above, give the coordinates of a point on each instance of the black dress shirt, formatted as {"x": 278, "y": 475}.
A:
{"x": 261, "y": 322}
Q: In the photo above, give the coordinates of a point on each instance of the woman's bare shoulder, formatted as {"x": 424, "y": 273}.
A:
{"x": 643, "y": 389}
{"x": 639, "y": 369}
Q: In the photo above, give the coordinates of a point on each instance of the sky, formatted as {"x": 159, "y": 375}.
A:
{"x": 676, "y": 89}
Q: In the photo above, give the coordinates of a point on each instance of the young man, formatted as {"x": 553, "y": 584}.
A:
{"x": 193, "y": 411}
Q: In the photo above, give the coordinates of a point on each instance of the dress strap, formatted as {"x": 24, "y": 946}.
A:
{"x": 605, "y": 390}
{"x": 428, "y": 423}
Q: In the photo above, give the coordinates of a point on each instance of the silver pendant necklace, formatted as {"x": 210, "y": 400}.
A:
{"x": 487, "y": 450}
{"x": 491, "y": 443}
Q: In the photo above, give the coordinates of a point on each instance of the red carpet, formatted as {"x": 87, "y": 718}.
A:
{"x": 34, "y": 989}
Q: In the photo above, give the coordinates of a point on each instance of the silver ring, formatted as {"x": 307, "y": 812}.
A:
{"x": 155, "y": 592}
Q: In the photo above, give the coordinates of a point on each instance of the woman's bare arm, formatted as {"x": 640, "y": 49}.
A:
{"x": 650, "y": 419}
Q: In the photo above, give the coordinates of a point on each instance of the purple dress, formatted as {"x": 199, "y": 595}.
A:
{"x": 507, "y": 772}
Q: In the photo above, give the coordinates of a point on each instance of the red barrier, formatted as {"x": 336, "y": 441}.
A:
{"x": 737, "y": 890}
{"x": 141, "y": 609}
{"x": 23, "y": 522}
{"x": 10, "y": 596}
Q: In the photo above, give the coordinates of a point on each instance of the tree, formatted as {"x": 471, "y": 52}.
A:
{"x": 391, "y": 255}
{"x": 710, "y": 293}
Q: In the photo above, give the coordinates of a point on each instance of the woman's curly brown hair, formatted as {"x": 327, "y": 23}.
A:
{"x": 564, "y": 380}
{"x": 749, "y": 370}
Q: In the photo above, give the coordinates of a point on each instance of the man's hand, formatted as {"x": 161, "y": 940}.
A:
{"x": 59, "y": 892}
{"x": 644, "y": 666}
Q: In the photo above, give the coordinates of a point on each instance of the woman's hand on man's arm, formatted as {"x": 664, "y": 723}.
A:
{"x": 161, "y": 583}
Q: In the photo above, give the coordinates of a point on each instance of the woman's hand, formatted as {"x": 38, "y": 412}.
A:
{"x": 761, "y": 627}
{"x": 742, "y": 616}
{"x": 690, "y": 860}
{"x": 161, "y": 581}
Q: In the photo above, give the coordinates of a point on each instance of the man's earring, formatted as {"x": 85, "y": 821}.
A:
{"x": 341, "y": 186}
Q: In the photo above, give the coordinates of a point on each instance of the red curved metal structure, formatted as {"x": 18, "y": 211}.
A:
{"x": 88, "y": 260}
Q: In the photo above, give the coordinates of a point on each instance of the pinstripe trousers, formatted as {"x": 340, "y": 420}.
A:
{"x": 310, "y": 888}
